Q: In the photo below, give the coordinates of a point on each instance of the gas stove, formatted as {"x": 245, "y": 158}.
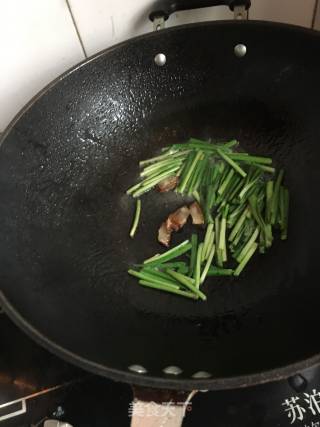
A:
{"x": 36, "y": 387}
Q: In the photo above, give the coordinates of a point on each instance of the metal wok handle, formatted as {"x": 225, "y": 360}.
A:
{"x": 164, "y": 8}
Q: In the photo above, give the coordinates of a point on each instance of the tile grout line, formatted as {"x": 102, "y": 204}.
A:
{"x": 315, "y": 11}
{"x": 76, "y": 29}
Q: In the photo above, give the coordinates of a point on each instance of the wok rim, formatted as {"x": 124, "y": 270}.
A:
{"x": 146, "y": 380}
{"x": 72, "y": 69}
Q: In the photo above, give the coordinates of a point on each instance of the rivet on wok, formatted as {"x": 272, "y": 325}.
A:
{"x": 138, "y": 369}
{"x": 240, "y": 50}
{"x": 172, "y": 370}
{"x": 160, "y": 59}
{"x": 201, "y": 374}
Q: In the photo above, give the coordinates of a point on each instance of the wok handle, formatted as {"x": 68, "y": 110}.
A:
{"x": 164, "y": 8}
{"x": 159, "y": 408}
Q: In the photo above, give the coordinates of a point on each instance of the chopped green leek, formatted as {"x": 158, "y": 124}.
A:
{"x": 136, "y": 219}
{"x": 243, "y": 201}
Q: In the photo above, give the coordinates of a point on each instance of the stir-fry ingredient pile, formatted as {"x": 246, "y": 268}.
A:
{"x": 238, "y": 197}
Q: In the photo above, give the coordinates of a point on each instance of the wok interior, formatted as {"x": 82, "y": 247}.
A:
{"x": 64, "y": 169}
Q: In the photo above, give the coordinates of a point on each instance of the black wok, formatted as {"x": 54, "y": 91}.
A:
{"x": 67, "y": 159}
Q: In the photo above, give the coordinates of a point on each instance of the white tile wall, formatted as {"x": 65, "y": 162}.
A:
{"x": 298, "y": 12}
{"x": 38, "y": 38}
{"x": 316, "y": 24}
{"x": 37, "y": 43}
